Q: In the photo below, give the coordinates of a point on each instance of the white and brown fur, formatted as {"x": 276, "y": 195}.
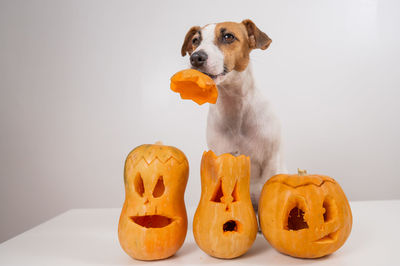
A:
{"x": 241, "y": 122}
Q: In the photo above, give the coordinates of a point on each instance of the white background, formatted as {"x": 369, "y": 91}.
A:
{"x": 84, "y": 82}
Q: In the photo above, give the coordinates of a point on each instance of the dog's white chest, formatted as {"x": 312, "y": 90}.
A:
{"x": 238, "y": 136}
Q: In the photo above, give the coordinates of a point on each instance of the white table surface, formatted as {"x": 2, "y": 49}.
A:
{"x": 89, "y": 237}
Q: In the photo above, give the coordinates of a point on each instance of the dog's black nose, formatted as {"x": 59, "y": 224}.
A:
{"x": 198, "y": 59}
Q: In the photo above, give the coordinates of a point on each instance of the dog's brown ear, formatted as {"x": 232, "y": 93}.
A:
{"x": 187, "y": 45}
{"x": 257, "y": 38}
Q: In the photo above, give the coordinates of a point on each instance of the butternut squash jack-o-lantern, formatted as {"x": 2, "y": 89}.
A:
{"x": 153, "y": 221}
{"x": 306, "y": 216}
{"x": 225, "y": 225}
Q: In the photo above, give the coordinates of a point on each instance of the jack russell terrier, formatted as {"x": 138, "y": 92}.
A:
{"x": 241, "y": 122}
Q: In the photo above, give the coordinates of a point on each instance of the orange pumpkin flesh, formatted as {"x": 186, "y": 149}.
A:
{"x": 225, "y": 224}
{"x": 305, "y": 216}
{"x": 153, "y": 221}
{"x": 194, "y": 85}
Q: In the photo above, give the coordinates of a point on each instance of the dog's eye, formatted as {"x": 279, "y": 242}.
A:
{"x": 228, "y": 38}
{"x": 195, "y": 41}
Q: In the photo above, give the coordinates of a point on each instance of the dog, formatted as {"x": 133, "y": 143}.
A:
{"x": 241, "y": 121}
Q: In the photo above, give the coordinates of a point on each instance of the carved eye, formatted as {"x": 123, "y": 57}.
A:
{"x": 138, "y": 184}
{"x": 159, "y": 188}
{"x": 294, "y": 219}
{"x": 235, "y": 194}
{"x": 218, "y": 193}
{"x": 330, "y": 209}
{"x": 228, "y": 38}
{"x": 195, "y": 41}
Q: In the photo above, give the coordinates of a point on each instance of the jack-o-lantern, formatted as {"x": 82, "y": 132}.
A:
{"x": 225, "y": 225}
{"x": 306, "y": 216}
{"x": 153, "y": 222}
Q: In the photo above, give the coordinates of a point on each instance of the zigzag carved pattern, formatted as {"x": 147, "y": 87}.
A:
{"x": 157, "y": 158}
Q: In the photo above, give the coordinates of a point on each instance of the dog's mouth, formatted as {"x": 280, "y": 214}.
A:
{"x": 223, "y": 73}
{"x": 215, "y": 76}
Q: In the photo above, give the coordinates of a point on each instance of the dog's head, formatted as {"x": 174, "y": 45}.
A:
{"x": 217, "y": 49}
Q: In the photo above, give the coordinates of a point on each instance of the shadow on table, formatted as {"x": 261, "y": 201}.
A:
{"x": 188, "y": 247}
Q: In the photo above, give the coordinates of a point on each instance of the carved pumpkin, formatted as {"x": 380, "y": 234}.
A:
{"x": 306, "y": 216}
{"x": 225, "y": 225}
{"x": 194, "y": 85}
{"x": 153, "y": 221}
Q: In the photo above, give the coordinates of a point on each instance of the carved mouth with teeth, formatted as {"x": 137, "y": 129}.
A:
{"x": 152, "y": 221}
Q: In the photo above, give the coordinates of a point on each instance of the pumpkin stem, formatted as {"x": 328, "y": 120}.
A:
{"x": 158, "y": 142}
{"x": 301, "y": 172}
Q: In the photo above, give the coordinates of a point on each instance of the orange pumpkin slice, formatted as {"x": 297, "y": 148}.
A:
{"x": 194, "y": 85}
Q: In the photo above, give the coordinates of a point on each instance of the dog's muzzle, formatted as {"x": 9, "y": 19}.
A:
{"x": 198, "y": 59}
